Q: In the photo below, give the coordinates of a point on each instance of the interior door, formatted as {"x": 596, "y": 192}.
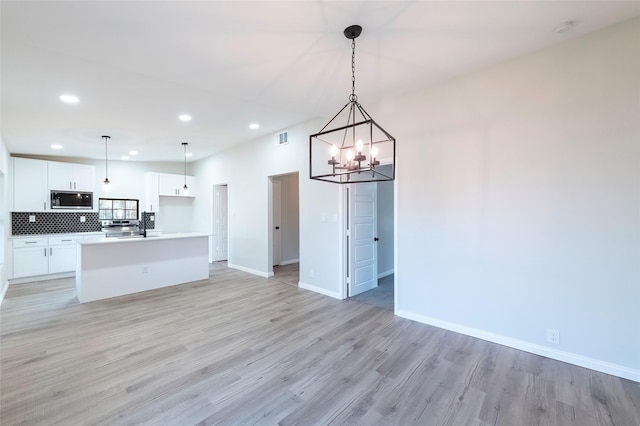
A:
{"x": 277, "y": 214}
{"x": 220, "y": 223}
{"x": 362, "y": 237}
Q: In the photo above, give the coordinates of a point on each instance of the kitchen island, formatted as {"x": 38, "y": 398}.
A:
{"x": 110, "y": 267}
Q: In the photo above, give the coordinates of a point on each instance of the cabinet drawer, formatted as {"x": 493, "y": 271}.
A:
{"x": 62, "y": 241}
{"x": 29, "y": 242}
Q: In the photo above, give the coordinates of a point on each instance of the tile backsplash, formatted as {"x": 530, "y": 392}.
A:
{"x": 53, "y": 223}
{"x": 151, "y": 224}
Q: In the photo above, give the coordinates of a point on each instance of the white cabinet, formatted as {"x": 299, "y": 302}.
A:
{"x": 151, "y": 194}
{"x": 70, "y": 176}
{"x": 34, "y": 179}
{"x": 42, "y": 255}
{"x": 170, "y": 185}
{"x": 30, "y": 257}
{"x": 30, "y": 192}
{"x": 62, "y": 254}
{"x": 165, "y": 185}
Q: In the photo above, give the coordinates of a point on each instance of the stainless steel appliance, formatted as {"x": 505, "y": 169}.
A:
{"x": 71, "y": 200}
{"x": 121, "y": 227}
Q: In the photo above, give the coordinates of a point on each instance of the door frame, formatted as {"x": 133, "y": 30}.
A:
{"x": 344, "y": 250}
{"x": 213, "y": 218}
{"x": 276, "y": 220}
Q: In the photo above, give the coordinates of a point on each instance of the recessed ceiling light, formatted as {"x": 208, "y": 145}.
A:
{"x": 70, "y": 99}
{"x": 56, "y": 146}
{"x": 124, "y": 157}
{"x": 188, "y": 154}
{"x": 133, "y": 152}
{"x": 254, "y": 126}
{"x": 184, "y": 117}
{"x": 564, "y": 27}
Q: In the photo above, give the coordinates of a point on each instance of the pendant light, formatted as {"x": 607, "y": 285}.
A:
{"x": 185, "y": 187}
{"x": 352, "y": 152}
{"x": 106, "y": 163}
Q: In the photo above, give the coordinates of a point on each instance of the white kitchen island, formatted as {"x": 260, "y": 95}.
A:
{"x": 110, "y": 267}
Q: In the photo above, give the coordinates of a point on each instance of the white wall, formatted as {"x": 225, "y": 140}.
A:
{"x": 289, "y": 218}
{"x": 385, "y": 227}
{"x": 518, "y": 201}
{"x": 246, "y": 170}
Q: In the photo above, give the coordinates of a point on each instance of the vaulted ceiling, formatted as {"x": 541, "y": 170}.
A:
{"x": 137, "y": 65}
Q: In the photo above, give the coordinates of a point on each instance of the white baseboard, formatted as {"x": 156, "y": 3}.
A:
{"x": 568, "y": 357}
{"x": 385, "y": 273}
{"x": 289, "y": 262}
{"x": 251, "y": 271}
{"x": 42, "y": 278}
{"x": 311, "y": 287}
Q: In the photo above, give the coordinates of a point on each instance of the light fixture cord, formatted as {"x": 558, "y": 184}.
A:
{"x": 106, "y": 159}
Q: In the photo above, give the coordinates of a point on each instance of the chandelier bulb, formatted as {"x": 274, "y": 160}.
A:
{"x": 334, "y": 151}
{"x": 359, "y": 145}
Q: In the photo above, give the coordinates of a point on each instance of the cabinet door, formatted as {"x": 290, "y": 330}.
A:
{"x": 60, "y": 176}
{"x": 169, "y": 184}
{"x": 84, "y": 177}
{"x": 191, "y": 187}
{"x": 62, "y": 258}
{"x": 30, "y": 261}
{"x": 70, "y": 176}
{"x": 151, "y": 194}
{"x": 30, "y": 192}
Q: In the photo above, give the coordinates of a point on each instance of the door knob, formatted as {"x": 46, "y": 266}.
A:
{"x": 277, "y": 227}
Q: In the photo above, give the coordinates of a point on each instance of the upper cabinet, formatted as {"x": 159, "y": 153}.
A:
{"x": 165, "y": 185}
{"x": 170, "y": 185}
{"x": 30, "y": 192}
{"x": 71, "y": 177}
{"x": 33, "y": 180}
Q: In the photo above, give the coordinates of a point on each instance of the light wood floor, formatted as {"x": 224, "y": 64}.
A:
{"x": 288, "y": 274}
{"x": 241, "y": 350}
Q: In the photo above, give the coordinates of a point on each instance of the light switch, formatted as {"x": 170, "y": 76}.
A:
{"x": 32, "y": 218}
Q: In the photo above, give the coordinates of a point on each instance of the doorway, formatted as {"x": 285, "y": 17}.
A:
{"x": 370, "y": 243}
{"x": 220, "y": 225}
{"x": 284, "y": 228}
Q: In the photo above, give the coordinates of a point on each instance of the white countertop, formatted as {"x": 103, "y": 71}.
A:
{"x": 135, "y": 239}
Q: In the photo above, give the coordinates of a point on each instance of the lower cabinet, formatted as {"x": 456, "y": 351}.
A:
{"x": 30, "y": 257}
{"x": 42, "y": 255}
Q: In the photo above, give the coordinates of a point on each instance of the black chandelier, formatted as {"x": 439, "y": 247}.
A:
{"x": 356, "y": 151}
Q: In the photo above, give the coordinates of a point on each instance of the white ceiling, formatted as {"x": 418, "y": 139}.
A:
{"x": 137, "y": 65}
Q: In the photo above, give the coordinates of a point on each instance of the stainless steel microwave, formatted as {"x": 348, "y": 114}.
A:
{"x": 72, "y": 200}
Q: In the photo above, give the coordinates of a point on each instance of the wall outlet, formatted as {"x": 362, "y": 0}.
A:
{"x": 32, "y": 218}
{"x": 152, "y": 218}
{"x": 553, "y": 336}
{"x": 83, "y": 219}
{"x": 311, "y": 273}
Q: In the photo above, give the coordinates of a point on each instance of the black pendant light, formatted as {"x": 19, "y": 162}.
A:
{"x": 106, "y": 163}
{"x": 351, "y": 147}
{"x": 184, "y": 144}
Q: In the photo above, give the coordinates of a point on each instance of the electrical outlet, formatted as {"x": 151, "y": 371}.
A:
{"x": 311, "y": 274}
{"x": 32, "y": 218}
{"x": 152, "y": 218}
{"x": 553, "y": 336}
{"x": 83, "y": 219}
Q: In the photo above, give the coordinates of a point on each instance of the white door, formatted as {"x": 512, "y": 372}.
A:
{"x": 277, "y": 195}
{"x": 362, "y": 237}
{"x": 220, "y": 223}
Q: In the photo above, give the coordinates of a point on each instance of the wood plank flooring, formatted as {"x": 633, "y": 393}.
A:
{"x": 243, "y": 350}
